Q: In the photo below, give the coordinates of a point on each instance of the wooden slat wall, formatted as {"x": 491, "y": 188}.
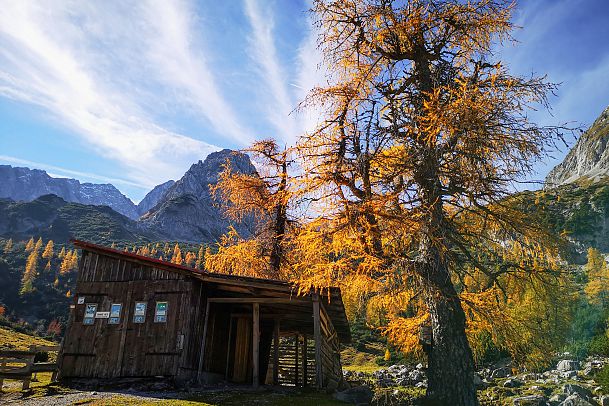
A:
{"x": 128, "y": 349}
{"x": 288, "y": 367}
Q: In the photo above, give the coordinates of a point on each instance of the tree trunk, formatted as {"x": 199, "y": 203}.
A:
{"x": 450, "y": 371}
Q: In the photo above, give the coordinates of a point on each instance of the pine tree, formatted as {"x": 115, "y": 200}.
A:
{"x": 9, "y": 246}
{"x": 48, "y": 250}
{"x": 30, "y": 245}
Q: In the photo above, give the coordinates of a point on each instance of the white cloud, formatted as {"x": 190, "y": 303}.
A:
{"x": 94, "y": 66}
{"x": 264, "y": 54}
{"x": 311, "y": 73}
{"x": 60, "y": 172}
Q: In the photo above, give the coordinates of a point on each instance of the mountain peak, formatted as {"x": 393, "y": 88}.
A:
{"x": 589, "y": 157}
{"x": 24, "y": 184}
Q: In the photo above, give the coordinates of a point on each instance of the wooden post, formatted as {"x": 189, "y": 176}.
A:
{"x": 296, "y": 360}
{"x": 2, "y": 366}
{"x": 203, "y": 343}
{"x": 305, "y": 366}
{"x": 276, "y": 354}
{"x": 255, "y": 344}
{"x": 317, "y": 332}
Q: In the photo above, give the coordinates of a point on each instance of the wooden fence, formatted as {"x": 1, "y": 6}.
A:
{"x": 21, "y": 364}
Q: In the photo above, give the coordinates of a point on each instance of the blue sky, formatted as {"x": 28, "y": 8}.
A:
{"x": 133, "y": 93}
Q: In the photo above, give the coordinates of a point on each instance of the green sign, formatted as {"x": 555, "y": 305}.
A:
{"x": 160, "y": 312}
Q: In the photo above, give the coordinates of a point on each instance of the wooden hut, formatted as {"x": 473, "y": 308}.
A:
{"x": 135, "y": 316}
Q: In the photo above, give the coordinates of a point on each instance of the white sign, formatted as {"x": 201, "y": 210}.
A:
{"x": 81, "y": 300}
{"x": 102, "y": 315}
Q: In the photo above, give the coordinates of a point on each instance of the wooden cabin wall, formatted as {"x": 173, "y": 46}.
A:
{"x": 130, "y": 349}
{"x": 330, "y": 350}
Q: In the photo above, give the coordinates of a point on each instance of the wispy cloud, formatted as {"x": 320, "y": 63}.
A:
{"x": 264, "y": 54}
{"x": 311, "y": 73}
{"x": 59, "y": 172}
{"x": 93, "y": 67}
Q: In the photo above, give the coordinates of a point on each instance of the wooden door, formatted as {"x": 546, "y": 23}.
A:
{"x": 153, "y": 348}
{"x": 242, "y": 350}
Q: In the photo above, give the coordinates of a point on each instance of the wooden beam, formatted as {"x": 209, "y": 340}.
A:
{"x": 317, "y": 333}
{"x": 202, "y": 354}
{"x": 256, "y": 344}
{"x": 257, "y": 300}
{"x": 276, "y": 354}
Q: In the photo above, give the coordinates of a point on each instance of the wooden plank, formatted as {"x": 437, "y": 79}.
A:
{"x": 317, "y": 334}
{"x": 255, "y": 344}
{"x": 276, "y": 354}
{"x": 202, "y": 354}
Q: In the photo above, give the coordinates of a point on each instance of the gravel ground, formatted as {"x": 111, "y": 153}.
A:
{"x": 75, "y": 397}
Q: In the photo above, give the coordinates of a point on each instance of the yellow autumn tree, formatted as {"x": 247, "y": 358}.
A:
{"x": 597, "y": 272}
{"x": 200, "y": 258}
{"x": 8, "y": 246}
{"x": 177, "y": 255}
{"x": 38, "y": 244}
{"x": 262, "y": 198}
{"x": 30, "y": 273}
{"x": 62, "y": 253}
{"x": 423, "y": 134}
{"x": 48, "y": 250}
{"x": 30, "y": 245}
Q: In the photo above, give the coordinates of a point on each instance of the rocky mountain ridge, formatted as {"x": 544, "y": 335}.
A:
{"x": 24, "y": 184}
{"x": 187, "y": 211}
{"x": 589, "y": 157}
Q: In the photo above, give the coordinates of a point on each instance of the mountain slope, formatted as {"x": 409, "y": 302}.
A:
{"x": 153, "y": 197}
{"x": 589, "y": 157}
{"x": 187, "y": 211}
{"x": 51, "y": 217}
{"x": 24, "y": 184}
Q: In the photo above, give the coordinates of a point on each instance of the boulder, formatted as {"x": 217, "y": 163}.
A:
{"x": 416, "y": 376}
{"x": 567, "y": 365}
{"x": 575, "y": 400}
{"x": 502, "y": 372}
{"x": 512, "y": 383}
{"x": 603, "y": 400}
{"x": 531, "y": 400}
{"x": 360, "y": 395}
{"x": 572, "y": 389}
{"x": 557, "y": 399}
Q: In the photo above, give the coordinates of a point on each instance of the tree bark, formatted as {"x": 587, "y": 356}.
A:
{"x": 450, "y": 374}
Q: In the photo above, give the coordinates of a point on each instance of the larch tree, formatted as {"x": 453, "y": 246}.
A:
{"x": 263, "y": 198}
{"x": 31, "y": 271}
{"x": 424, "y": 135}
{"x": 200, "y": 258}
{"x": 48, "y": 250}
{"x": 597, "y": 271}
{"x": 8, "y": 246}
{"x": 30, "y": 245}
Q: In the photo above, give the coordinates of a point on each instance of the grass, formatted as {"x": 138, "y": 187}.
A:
{"x": 360, "y": 361}
{"x": 10, "y": 339}
{"x": 224, "y": 398}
